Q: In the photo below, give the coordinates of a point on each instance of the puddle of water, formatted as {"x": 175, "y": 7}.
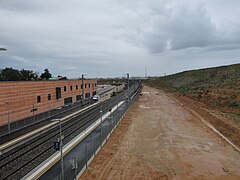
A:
{"x": 144, "y": 107}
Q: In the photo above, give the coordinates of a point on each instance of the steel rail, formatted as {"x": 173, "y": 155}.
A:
{"x": 41, "y": 146}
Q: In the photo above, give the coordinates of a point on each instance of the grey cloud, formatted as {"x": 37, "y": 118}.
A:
{"x": 175, "y": 27}
{"x": 109, "y": 36}
{"x": 26, "y": 6}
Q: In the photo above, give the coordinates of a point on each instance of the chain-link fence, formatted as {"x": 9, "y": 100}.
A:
{"x": 76, "y": 161}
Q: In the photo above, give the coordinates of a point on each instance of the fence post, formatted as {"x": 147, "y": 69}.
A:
{"x": 74, "y": 164}
{"x": 86, "y": 154}
{"x": 94, "y": 144}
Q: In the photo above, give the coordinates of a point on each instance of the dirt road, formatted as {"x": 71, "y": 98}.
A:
{"x": 160, "y": 139}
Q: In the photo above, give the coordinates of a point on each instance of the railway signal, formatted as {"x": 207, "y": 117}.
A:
{"x": 57, "y": 146}
{"x": 60, "y": 145}
{"x": 33, "y": 109}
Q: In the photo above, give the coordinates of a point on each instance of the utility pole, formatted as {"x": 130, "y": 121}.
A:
{"x": 82, "y": 87}
{"x": 49, "y": 109}
{"x": 33, "y": 110}
{"x": 134, "y": 84}
{"x": 101, "y": 112}
{"x": 145, "y": 71}
{"x": 128, "y": 86}
{"x": 117, "y": 96}
{"x": 61, "y": 148}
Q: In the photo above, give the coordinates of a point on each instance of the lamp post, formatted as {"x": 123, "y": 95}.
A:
{"x": 110, "y": 117}
{"x": 61, "y": 146}
{"x": 101, "y": 120}
{"x": 49, "y": 109}
{"x": 3, "y": 49}
{"x": 8, "y": 117}
{"x": 82, "y": 88}
{"x": 134, "y": 84}
{"x": 127, "y": 87}
{"x": 33, "y": 110}
{"x": 117, "y": 95}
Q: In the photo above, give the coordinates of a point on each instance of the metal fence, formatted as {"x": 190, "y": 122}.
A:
{"x": 77, "y": 161}
{"x": 53, "y": 113}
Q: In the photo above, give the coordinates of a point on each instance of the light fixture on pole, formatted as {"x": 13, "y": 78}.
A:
{"x": 83, "y": 88}
{"x": 110, "y": 117}
{"x": 61, "y": 146}
{"x": 127, "y": 87}
{"x": 101, "y": 114}
{"x": 33, "y": 110}
{"x": 8, "y": 117}
{"x": 3, "y": 49}
{"x": 117, "y": 96}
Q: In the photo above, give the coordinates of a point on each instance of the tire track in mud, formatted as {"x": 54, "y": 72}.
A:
{"x": 165, "y": 141}
{"x": 114, "y": 160}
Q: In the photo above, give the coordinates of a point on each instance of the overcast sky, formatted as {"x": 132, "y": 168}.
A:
{"x": 106, "y": 38}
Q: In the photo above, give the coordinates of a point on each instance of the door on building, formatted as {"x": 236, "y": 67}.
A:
{"x": 87, "y": 95}
{"x": 68, "y": 101}
{"x": 78, "y": 97}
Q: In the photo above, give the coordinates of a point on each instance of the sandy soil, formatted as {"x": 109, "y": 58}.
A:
{"x": 226, "y": 123}
{"x": 160, "y": 139}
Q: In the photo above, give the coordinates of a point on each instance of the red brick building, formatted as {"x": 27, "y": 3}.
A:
{"x": 19, "y": 98}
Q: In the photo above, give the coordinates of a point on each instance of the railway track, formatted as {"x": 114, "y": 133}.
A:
{"x": 19, "y": 161}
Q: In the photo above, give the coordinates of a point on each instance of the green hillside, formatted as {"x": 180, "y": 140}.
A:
{"x": 217, "y": 87}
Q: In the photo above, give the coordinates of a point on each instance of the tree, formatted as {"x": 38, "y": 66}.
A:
{"x": 10, "y": 74}
{"x": 28, "y": 75}
{"x": 46, "y": 74}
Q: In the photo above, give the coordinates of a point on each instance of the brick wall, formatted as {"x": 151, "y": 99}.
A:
{"x": 18, "y": 98}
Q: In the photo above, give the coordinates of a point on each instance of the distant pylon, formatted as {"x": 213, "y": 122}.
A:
{"x": 145, "y": 72}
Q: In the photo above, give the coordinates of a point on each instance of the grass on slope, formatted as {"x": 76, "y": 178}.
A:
{"x": 218, "y": 87}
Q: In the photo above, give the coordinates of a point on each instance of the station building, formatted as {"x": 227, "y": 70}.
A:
{"x": 19, "y": 98}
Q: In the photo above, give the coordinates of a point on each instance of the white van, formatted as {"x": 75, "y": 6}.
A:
{"x": 95, "y": 98}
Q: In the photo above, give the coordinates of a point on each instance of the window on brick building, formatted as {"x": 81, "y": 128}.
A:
{"x": 49, "y": 97}
{"x": 65, "y": 88}
{"x": 87, "y": 95}
{"x": 85, "y": 85}
{"x": 81, "y": 86}
{"x": 38, "y": 99}
{"x": 58, "y": 93}
{"x": 89, "y": 85}
{"x": 76, "y": 87}
{"x": 71, "y": 88}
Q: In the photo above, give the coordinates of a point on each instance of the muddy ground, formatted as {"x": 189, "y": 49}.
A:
{"x": 160, "y": 139}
